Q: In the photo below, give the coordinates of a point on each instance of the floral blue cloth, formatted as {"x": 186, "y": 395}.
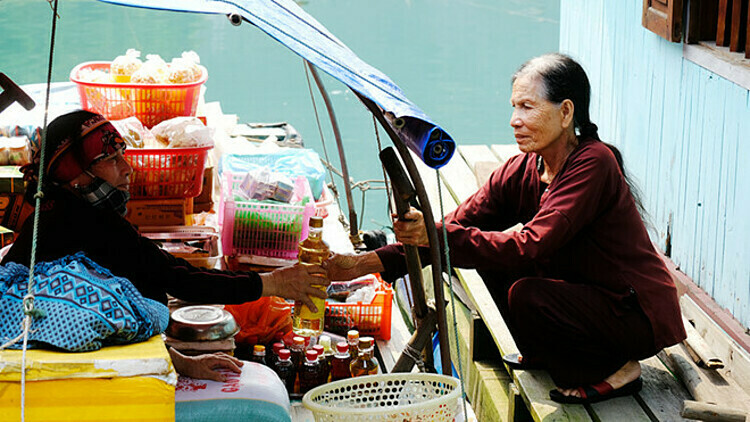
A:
{"x": 85, "y": 306}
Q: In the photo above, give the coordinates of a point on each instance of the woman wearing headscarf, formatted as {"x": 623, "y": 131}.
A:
{"x": 85, "y": 195}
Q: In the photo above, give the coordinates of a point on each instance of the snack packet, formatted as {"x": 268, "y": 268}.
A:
{"x": 153, "y": 71}
{"x": 122, "y": 67}
{"x": 185, "y": 69}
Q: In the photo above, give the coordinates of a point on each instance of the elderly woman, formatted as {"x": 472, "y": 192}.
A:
{"x": 581, "y": 287}
{"x": 86, "y": 180}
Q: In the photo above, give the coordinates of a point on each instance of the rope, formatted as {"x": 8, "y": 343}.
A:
{"x": 322, "y": 139}
{"x": 416, "y": 356}
{"x": 30, "y": 313}
{"x": 453, "y": 296}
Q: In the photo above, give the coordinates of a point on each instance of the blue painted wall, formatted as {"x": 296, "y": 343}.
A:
{"x": 685, "y": 135}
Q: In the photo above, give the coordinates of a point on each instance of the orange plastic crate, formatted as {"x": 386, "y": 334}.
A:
{"x": 166, "y": 172}
{"x": 150, "y": 103}
{"x": 373, "y": 319}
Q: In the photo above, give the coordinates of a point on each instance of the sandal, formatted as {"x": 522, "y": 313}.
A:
{"x": 516, "y": 361}
{"x": 598, "y": 392}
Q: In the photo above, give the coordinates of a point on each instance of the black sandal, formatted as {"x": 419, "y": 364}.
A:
{"x": 598, "y": 392}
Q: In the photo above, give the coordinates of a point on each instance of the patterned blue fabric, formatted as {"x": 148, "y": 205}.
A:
{"x": 86, "y": 306}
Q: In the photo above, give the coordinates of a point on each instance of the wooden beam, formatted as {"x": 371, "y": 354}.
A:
{"x": 723, "y": 24}
{"x": 737, "y": 35}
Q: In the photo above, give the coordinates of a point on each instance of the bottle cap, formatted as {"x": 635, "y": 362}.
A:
{"x": 277, "y": 347}
{"x": 366, "y": 342}
{"x": 311, "y": 355}
{"x": 325, "y": 341}
{"x": 342, "y": 347}
{"x": 259, "y": 348}
{"x": 319, "y": 349}
{"x": 299, "y": 341}
{"x": 284, "y": 354}
{"x": 352, "y": 335}
{"x": 316, "y": 222}
{"x": 278, "y": 336}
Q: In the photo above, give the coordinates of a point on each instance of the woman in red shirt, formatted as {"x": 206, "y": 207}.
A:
{"x": 580, "y": 286}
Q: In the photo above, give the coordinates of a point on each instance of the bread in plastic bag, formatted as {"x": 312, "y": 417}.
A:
{"x": 185, "y": 69}
{"x": 184, "y": 132}
{"x": 122, "y": 67}
{"x": 153, "y": 71}
{"x": 134, "y": 133}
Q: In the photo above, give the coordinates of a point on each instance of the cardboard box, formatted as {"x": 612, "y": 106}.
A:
{"x": 204, "y": 202}
{"x": 11, "y": 180}
{"x": 160, "y": 212}
{"x": 14, "y": 210}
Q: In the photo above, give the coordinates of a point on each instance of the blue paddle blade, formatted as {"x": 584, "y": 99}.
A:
{"x": 286, "y": 22}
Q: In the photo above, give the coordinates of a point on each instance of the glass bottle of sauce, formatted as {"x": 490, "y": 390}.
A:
{"x": 352, "y": 337}
{"x": 259, "y": 354}
{"x": 273, "y": 356}
{"x": 298, "y": 351}
{"x": 365, "y": 364}
{"x": 309, "y": 375}
{"x": 340, "y": 365}
{"x": 285, "y": 369}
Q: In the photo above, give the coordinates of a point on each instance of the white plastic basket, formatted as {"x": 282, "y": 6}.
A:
{"x": 386, "y": 397}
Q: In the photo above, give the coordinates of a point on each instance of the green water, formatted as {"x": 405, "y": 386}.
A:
{"x": 453, "y": 58}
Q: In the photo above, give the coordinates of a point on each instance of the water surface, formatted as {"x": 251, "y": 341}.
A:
{"x": 453, "y": 58}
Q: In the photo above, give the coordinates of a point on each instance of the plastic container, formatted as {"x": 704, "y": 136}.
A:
{"x": 262, "y": 232}
{"x": 387, "y": 397}
{"x": 321, "y": 205}
{"x": 150, "y": 103}
{"x": 167, "y": 172}
{"x": 370, "y": 319}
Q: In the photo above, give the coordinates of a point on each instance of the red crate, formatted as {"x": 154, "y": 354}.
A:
{"x": 370, "y": 319}
{"x": 166, "y": 172}
{"x": 150, "y": 103}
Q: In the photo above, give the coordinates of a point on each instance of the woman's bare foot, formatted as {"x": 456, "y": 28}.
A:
{"x": 628, "y": 373}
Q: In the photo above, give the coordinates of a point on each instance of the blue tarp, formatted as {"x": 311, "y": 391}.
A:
{"x": 285, "y": 21}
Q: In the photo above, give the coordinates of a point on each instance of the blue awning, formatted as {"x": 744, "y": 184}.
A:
{"x": 285, "y": 21}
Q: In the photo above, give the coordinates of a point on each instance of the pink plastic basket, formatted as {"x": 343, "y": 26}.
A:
{"x": 150, "y": 103}
{"x": 259, "y": 231}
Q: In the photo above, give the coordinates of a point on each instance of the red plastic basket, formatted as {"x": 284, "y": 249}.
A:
{"x": 166, "y": 172}
{"x": 150, "y": 103}
{"x": 370, "y": 319}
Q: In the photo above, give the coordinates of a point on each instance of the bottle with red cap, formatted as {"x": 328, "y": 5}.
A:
{"x": 340, "y": 364}
{"x": 273, "y": 356}
{"x": 309, "y": 374}
{"x": 322, "y": 364}
{"x": 285, "y": 369}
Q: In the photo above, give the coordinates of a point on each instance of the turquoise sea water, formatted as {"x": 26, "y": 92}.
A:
{"x": 453, "y": 58}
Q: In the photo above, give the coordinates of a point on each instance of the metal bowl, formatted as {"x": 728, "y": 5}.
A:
{"x": 201, "y": 323}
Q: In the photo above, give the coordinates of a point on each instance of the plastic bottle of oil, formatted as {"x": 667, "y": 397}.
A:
{"x": 312, "y": 250}
{"x": 285, "y": 369}
{"x": 340, "y": 365}
{"x": 365, "y": 364}
{"x": 309, "y": 374}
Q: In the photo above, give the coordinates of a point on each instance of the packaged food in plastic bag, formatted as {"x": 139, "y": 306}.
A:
{"x": 261, "y": 184}
{"x": 341, "y": 290}
{"x": 134, "y": 133}
{"x": 153, "y": 71}
{"x": 183, "y": 132}
{"x": 96, "y": 76}
{"x": 14, "y": 151}
{"x": 122, "y": 67}
{"x": 185, "y": 69}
